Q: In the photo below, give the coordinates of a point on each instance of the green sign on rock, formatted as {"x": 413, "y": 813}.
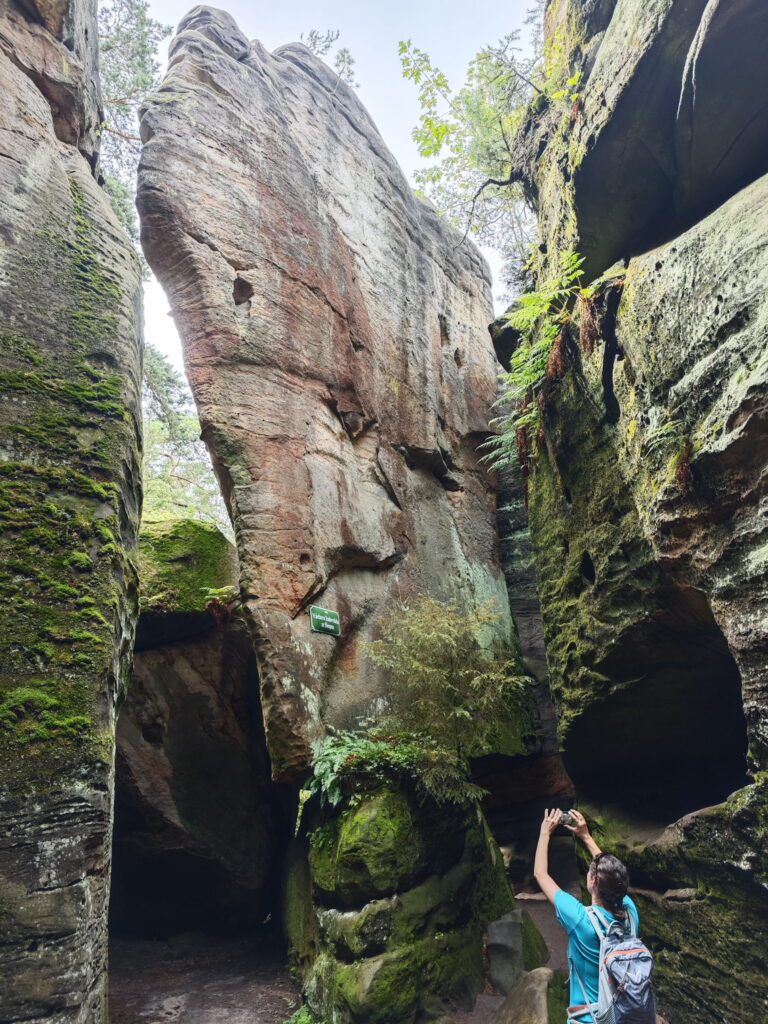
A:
{"x": 324, "y": 621}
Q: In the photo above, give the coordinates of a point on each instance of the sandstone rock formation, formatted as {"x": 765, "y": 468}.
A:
{"x": 647, "y": 498}
{"x": 69, "y": 503}
{"x": 335, "y": 338}
{"x": 198, "y": 823}
{"x": 537, "y": 998}
{"x": 663, "y": 131}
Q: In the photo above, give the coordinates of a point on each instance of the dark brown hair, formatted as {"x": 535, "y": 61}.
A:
{"x": 611, "y": 883}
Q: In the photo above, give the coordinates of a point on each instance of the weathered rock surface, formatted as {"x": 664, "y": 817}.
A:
{"x": 647, "y": 500}
{"x": 663, "y": 131}
{"x": 198, "y": 823}
{"x": 537, "y": 998}
{"x": 335, "y": 338}
{"x": 69, "y": 440}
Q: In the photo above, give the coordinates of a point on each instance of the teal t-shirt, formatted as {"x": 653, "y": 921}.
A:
{"x": 584, "y": 945}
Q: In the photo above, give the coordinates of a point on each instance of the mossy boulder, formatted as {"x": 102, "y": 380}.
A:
{"x": 403, "y": 891}
{"x": 379, "y": 847}
{"x": 406, "y": 984}
{"x": 182, "y": 562}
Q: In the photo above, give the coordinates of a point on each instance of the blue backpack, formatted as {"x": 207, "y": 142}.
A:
{"x": 625, "y": 990}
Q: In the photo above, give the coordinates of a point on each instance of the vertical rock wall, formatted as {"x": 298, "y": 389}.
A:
{"x": 335, "y": 338}
{"x": 647, "y": 496}
{"x": 69, "y": 506}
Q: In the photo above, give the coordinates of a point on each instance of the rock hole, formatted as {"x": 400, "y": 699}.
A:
{"x": 153, "y": 733}
{"x": 445, "y": 336}
{"x": 457, "y": 358}
{"x": 305, "y": 559}
{"x": 587, "y": 567}
{"x": 671, "y": 712}
{"x": 242, "y": 291}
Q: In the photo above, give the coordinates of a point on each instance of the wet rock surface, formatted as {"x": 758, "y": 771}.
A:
{"x": 70, "y": 369}
{"x": 335, "y": 337}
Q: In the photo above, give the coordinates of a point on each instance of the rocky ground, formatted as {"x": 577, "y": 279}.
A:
{"x": 205, "y": 981}
{"x": 196, "y": 979}
{"x": 199, "y": 980}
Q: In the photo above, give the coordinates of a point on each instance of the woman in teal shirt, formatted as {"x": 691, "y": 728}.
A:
{"x": 607, "y": 882}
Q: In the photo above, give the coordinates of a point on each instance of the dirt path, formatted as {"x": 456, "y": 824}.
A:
{"x": 196, "y": 981}
{"x": 200, "y": 980}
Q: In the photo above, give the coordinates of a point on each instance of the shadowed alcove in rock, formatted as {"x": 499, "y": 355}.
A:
{"x": 199, "y": 826}
{"x": 200, "y": 830}
{"x": 668, "y": 735}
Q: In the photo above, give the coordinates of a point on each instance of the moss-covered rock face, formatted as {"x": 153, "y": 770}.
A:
{"x": 701, "y": 891}
{"x": 401, "y": 895}
{"x": 647, "y": 495}
{"x": 361, "y": 853}
{"x": 650, "y": 551}
{"x": 182, "y": 564}
{"x": 70, "y": 373}
{"x": 660, "y": 131}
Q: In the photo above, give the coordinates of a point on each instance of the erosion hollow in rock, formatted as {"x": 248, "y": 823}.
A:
{"x": 672, "y": 709}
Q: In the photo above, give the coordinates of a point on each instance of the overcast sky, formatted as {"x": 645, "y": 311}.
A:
{"x": 451, "y": 31}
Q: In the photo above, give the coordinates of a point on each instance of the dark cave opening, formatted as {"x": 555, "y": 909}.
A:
{"x": 669, "y": 737}
{"x": 200, "y": 830}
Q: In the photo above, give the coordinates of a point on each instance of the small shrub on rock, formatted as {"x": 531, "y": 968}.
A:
{"x": 447, "y": 690}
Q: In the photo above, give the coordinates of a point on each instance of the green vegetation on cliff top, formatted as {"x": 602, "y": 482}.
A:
{"x": 181, "y": 561}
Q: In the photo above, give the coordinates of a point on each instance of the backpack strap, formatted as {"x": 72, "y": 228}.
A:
{"x": 598, "y": 922}
{"x": 579, "y": 1011}
{"x": 602, "y": 926}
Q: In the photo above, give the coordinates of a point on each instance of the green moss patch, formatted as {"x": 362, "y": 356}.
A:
{"x": 180, "y": 562}
{"x": 71, "y": 446}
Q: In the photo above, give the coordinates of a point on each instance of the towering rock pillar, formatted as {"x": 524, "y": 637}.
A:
{"x": 335, "y": 337}
{"x": 69, "y": 504}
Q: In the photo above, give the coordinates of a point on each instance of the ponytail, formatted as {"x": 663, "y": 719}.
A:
{"x": 611, "y": 884}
